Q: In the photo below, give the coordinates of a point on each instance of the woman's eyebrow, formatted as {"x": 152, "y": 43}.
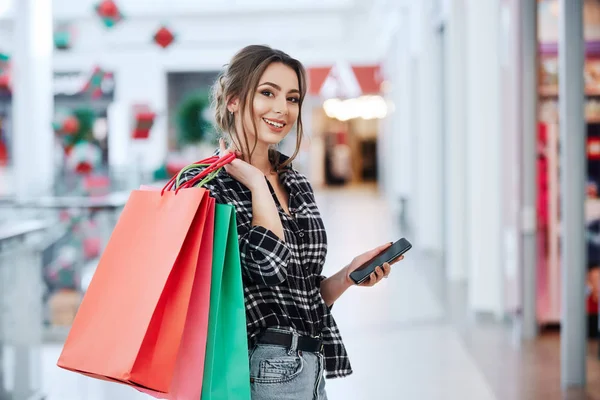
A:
{"x": 278, "y": 87}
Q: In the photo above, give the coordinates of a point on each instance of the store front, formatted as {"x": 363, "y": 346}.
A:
{"x": 345, "y": 106}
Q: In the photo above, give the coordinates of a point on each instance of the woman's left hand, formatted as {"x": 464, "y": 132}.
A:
{"x": 380, "y": 272}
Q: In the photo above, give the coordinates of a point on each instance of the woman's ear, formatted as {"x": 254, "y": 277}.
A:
{"x": 233, "y": 105}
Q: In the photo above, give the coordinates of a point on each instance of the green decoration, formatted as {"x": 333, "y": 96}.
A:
{"x": 86, "y": 117}
{"x": 193, "y": 128}
{"x": 84, "y": 133}
{"x": 63, "y": 37}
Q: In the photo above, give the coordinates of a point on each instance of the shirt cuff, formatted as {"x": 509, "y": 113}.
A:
{"x": 264, "y": 256}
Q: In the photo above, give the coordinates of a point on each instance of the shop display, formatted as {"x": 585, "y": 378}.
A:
{"x": 549, "y": 221}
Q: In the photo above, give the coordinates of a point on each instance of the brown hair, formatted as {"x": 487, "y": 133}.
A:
{"x": 240, "y": 79}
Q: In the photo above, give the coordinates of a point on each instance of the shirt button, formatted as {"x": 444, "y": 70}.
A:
{"x": 301, "y": 234}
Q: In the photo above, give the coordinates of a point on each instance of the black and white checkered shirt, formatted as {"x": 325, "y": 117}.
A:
{"x": 282, "y": 278}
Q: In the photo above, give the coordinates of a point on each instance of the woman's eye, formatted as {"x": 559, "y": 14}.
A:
{"x": 266, "y": 93}
{"x": 293, "y": 99}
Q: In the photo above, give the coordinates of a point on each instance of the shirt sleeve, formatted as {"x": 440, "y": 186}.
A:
{"x": 264, "y": 256}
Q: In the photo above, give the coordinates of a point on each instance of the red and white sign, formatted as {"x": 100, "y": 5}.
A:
{"x": 344, "y": 80}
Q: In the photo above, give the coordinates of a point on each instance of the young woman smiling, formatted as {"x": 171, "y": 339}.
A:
{"x": 293, "y": 338}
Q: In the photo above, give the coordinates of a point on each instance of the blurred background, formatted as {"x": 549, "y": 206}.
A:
{"x": 443, "y": 121}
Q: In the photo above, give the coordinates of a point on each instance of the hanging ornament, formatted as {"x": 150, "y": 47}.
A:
{"x": 143, "y": 121}
{"x": 70, "y": 125}
{"x": 65, "y": 123}
{"x": 164, "y": 37}
{"x": 63, "y": 37}
{"x": 109, "y": 13}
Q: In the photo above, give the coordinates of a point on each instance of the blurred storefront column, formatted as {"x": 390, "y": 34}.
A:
{"x": 397, "y": 138}
{"x": 572, "y": 192}
{"x": 526, "y": 102}
{"x": 484, "y": 158}
{"x": 33, "y": 139}
{"x": 455, "y": 142}
{"x": 426, "y": 128}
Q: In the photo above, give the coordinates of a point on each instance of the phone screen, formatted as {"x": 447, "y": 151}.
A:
{"x": 388, "y": 255}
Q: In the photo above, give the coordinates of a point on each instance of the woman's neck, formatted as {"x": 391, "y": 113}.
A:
{"x": 260, "y": 159}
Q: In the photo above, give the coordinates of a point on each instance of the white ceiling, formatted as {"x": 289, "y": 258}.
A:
{"x": 352, "y": 29}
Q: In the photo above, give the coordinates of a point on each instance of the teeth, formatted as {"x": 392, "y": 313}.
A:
{"x": 275, "y": 124}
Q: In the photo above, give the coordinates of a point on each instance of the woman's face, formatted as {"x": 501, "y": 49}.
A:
{"x": 275, "y": 106}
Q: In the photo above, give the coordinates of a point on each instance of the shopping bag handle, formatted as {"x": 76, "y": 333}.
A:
{"x": 201, "y": 163}
{"x": 213, "y": 166}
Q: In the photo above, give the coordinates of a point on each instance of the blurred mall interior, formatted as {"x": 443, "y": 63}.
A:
{"x": 443, "y": 121}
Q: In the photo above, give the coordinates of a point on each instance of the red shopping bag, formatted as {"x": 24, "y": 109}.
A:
{"x": 187, "y": 383}
{"x": 131, "y": 325}
{"x": 131, "y": 321}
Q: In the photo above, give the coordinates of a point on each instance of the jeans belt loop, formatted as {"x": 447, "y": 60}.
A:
{"x": 294, "y": 345}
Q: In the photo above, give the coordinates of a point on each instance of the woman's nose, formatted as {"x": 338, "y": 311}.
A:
{"x": 281, "y": 107}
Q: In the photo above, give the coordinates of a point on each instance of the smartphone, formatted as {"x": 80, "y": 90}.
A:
{"x": 362, "y": 273}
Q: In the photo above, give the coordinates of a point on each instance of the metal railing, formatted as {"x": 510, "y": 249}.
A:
{"x": 21, "y": 309}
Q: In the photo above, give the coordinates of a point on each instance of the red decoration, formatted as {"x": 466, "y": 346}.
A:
{"x": 144, "y": 120}
{"x": 70, "y": 125}
{"x": 4, "y": 83}
{"x": 108, "y": 9}
{"x": 164, "y": 37}
{"x": 84, "y": 168}
{"x": 109, "y": 12}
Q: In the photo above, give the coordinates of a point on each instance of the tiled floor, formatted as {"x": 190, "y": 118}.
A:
{"x": 401, "y": 342}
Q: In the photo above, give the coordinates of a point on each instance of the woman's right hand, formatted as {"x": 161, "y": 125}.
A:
{"x": 245, "y": 173}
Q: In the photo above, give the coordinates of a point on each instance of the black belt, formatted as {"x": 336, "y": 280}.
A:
{"x": 305, "y": 343}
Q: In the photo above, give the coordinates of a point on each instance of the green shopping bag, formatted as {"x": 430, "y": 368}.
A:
{"x": 226, "y": 366}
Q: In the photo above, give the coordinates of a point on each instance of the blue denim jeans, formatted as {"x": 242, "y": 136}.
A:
{"x": 280, "y": 373}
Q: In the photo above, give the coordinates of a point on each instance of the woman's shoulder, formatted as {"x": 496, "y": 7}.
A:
{"x": 297, "y": 178}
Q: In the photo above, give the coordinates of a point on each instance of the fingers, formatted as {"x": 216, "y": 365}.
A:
{"x": 377, "y": 275}
{"x": 372, "y": 280}
{"x": 387, "y": 268}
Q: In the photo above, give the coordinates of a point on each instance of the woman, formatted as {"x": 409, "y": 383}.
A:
{"x": 292, "y": 335}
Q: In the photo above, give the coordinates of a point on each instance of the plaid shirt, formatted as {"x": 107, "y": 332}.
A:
{"x": 282, "y": 278}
